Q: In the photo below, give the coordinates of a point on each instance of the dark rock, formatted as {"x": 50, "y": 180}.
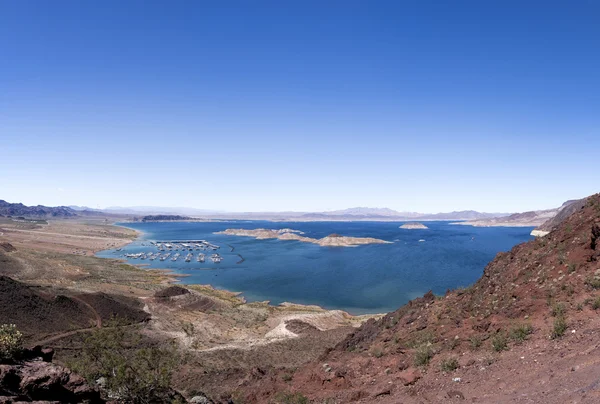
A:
{"x": 171, "y": 291}
{"x": 595, "y": 235}
{"x": 38, "y": 380}
{"x": 456, "y": 394}
{"x": 7, "y": 247}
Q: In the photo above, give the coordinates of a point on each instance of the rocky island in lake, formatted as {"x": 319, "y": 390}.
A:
{"x": 413, "y": 226}
{"x": 333, "y": 240}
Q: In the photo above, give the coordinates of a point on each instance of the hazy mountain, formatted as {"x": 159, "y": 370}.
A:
{"x": 83, "y": 208}
{"x": 18, "y": 209}
{"x": 461, "y": 215}
{"x": 363, "y": 211}
{"x": 357, "y": 213}
{"x": 157, "y": 210}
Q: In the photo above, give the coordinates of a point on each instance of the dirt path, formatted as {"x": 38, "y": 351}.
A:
{"x": 98, "y": 318}
{"x": 62, "y": 335}
{"x": 69, "y": 333}
{"x": 57, "y": 337}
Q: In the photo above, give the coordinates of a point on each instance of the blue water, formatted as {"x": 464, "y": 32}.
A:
{"x": 366, "y": 279}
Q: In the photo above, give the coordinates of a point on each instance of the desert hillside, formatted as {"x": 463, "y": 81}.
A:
{"x": 527, "y": 330}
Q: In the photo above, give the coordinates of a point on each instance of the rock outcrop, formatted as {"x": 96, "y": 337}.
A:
{"x": 35, "y": 379}
{"x": 333, "y": 240}
{"x": 413, "y": 226}
{"x": 7, "y": 247}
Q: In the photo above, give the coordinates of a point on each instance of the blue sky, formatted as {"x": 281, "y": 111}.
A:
{"x": 300, "y": 105}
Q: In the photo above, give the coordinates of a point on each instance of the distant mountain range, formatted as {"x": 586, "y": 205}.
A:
{"x": 18, "y": 209}
{"x": 351, "y": 214}
{"x": 371, "y": 212}
{"x": 393, "y": 215}
{"x": 158, "y": 210}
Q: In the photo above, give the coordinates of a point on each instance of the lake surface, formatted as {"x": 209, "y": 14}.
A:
{"x": 366, "y": 279}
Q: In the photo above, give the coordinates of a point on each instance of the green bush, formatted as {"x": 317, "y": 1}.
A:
{"x": 423, "y": 355}
{"x": 475, "y": 341}
{"x": 499, "y": 342}
{"x": 596, "y": 303}
{"x": 558, "y": 309}
{"x": 559, "y": 328}
{"x": 449, "y": 365}
{"x": 377, "y": 352}
{"x": 11, "y": 341}
{"x": 521, "y": 332}
{"x": 593, "y": 282}
{"x": 291, "y": 398}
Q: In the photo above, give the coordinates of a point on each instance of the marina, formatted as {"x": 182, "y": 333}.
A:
{"x": 173, "y": 249}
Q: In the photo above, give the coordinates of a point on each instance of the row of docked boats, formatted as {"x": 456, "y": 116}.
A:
{"x": 184, "y": 246}
{"x": 216, "y": 258}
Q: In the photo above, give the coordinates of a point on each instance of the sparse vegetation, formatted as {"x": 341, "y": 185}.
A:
{"x": 449, "y": 365}
{"x": 488, "y": 360}
{"x": 377, "y": 352}
{"x": 557, "y": 310}
{"x": 291, "y": 398}
{"x": 454, "y": 342}
{"x": 423, "y": 355}
{"x": 475, "y": 341}
{"x": 425, "y": 337}
{"x": 593, "y": 282}
{"x": 132, "y": 373}
{"x": 11, "y": 341}
{"x": 559, "y": 328}
{"x": 521, "y": 332}
{"x": 392, "y": 322}
{"x": 188, "y": 328}
{"x": 596, "y": 303}
{"x": 500, "y": 342}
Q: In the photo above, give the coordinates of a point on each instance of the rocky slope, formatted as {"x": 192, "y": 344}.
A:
{"x": 525, "y": 332}
{"x": 42, "y": 314}
{"x": 566, "y": 210}
{"x": 545, "y": 219}
{"x": 525, "y": 219}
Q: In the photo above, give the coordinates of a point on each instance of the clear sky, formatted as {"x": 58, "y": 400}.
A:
{"x": 300, "y": 105}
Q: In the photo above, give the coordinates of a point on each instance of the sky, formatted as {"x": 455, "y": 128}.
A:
{"x": 305, "y": 105}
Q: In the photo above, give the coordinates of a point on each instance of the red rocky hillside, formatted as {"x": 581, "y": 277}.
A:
{"x": 527, "y": 331}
